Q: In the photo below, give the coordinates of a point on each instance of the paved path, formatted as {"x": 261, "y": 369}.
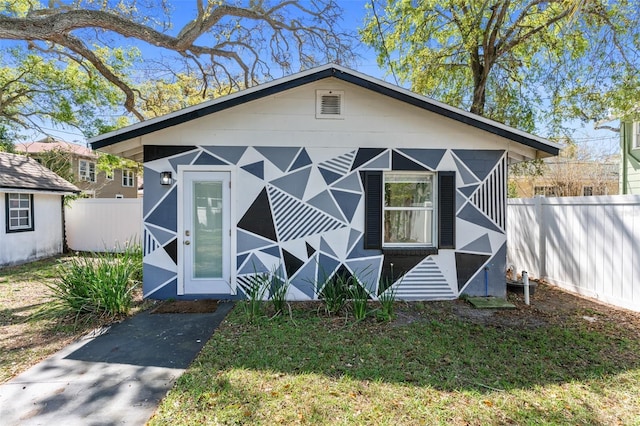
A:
{"x": 115, "y": 378}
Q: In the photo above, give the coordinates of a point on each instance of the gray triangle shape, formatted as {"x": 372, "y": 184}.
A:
{"x": 366, "y": 270}
{"x": 253, "y": 266}
{"x": 467, "y": 177}
{"x": 348, "y": 202}
{"x": 354, "y": 235}
{"x": 379, "y": 163}
{"x": 481, "y": 245}
{"x": 281, "y": 157}
{"x": 483, "y": 160}
{"x": 350, "y": 183}
{"x": 473, "y": 215}
{"x": 160, "y": 235}
{"x": 428, "y": 157}
{"x": 231, "y": 154}
{"x": 468, "y": 190}
{"x": 183, "y": 159}
{"x": 206, "y": 159}
{"x": 294, "y": 183}
{"x": 323, "y": 201}
{"x": 325, "y": 248}
{"x": 305, "y": 278}
{"x": 247, "y": 242}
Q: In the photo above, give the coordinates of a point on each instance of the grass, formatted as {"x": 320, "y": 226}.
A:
{"x": 27, "y": 338}
{"x": 437, "y": 363}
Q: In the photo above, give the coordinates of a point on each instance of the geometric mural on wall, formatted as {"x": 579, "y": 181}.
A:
{"x": 300, "y": 213}
{"x": 295, "y": 219}
{"x": 424, "y": 282}
{"x": 489, "y": 198}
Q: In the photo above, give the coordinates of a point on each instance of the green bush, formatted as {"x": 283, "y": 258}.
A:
{"x": 98, "y": 287}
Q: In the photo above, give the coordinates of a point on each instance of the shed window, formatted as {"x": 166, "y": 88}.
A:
{"x": 409, "y": 210}
{"x": 636, "y": 135}
{"x": 19, "y": 212}
{"x": 329, "y": 103}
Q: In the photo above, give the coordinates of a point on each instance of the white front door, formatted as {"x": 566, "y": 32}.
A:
{"x": 206, "y": 233}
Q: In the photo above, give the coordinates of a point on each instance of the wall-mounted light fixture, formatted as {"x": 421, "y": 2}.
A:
{"x": 165, "y": 178}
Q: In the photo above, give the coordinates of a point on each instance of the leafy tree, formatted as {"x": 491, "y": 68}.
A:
{"x": 227, "y": 43}
{"x": 6, "y": 144}
{"x": 511, "y": 60}
{"x": 60, "y": 91}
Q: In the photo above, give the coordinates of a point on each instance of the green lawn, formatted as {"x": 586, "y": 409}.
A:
{"x": 437, "y": 363}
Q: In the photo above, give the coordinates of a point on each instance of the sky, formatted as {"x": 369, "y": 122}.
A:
{"x": 603, "y": 141}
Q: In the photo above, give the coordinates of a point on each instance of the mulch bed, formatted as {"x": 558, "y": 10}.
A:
{"x": 204, "y": 306}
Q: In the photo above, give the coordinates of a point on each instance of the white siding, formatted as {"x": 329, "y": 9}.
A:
{"x": 103, "y": 224}
{"x": 46, "y": 238}
{"x": 589, "y": 245}
{"x": 370, "y": 120}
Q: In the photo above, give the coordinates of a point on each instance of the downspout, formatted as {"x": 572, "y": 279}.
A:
{"x": 65, "y": 246}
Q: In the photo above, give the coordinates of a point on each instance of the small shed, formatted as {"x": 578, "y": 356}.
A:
{"x": 31, "y": 200}
{"x": 321, "y": 174}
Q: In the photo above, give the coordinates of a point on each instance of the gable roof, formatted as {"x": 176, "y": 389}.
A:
{"x": 543, "y": 146}
{"x": 18, "y": 172}
{"x": 49, "y": 144}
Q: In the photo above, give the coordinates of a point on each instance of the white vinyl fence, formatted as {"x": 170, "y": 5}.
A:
{"x": 590, "y": 245}
{"x": 103, "y": 224}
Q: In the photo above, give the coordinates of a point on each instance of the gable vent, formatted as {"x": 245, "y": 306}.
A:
{"x": 329, "y": 104}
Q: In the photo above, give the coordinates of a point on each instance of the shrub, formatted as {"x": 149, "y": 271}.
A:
{"x": 98, "y": 287}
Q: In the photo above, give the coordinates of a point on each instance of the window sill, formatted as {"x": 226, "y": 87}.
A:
{"x": 409, "y": 251}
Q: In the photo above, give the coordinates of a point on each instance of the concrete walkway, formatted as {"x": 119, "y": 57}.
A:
{"x": 117, "y": 377}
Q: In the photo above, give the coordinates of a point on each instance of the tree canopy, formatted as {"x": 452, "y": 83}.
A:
{"x": 527, "y": 63}
{"x": 100, "y": 52}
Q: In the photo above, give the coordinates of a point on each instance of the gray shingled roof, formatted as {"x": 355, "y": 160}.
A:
{"x": 20, "y": 172}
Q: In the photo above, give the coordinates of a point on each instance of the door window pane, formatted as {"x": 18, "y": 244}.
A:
{"x": 207, "y": 232}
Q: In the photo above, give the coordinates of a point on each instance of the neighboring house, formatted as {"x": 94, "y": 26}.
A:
{"x": 31, "y": 200}
{"x": 569, "y": 178}
{"x": 93, "y": 182}
{"x": 324, "y": 173}
{"x": 630, "y": 158}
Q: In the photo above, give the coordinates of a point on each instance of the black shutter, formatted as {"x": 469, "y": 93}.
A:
{"x": 447, "y": 210}
{"x": 372, "y": 181}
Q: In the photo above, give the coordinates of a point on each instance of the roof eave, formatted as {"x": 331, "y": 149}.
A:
{"x": 542, "y": 146}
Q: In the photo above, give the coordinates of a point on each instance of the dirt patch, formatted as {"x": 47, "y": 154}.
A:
{"x": 204, "y": 306}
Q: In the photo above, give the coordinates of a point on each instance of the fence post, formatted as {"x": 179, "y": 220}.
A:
{"x": 542, "y": 237}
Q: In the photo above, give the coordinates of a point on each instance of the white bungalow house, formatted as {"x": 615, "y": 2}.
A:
{"x": 31, "y": 210}
{"x": 324, "y": 173}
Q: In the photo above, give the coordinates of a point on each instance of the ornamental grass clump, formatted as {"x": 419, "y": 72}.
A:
{"x": 278, "y": 288}
{"x": 359, "y": 299}
{"x": 96, "y": 287}
{"x": 335, "y": 293}
{"x": 255, "y": 291}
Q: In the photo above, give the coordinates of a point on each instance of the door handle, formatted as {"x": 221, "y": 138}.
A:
{"x": 187, "y": 242}
{"x": 187, "y": 233}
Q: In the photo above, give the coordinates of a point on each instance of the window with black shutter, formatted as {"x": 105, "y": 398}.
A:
{"x": 409, "y": 210}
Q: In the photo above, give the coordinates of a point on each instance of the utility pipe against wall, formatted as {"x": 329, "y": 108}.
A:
{"x": 525, "y": 283}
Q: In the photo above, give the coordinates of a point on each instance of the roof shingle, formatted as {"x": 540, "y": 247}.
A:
{"x": 20, "y": 172}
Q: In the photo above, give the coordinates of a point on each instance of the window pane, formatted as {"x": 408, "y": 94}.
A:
{"x": 408, "y": 190}
{"x": 207, "y": 235}
{"x": 408, "y": 226}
